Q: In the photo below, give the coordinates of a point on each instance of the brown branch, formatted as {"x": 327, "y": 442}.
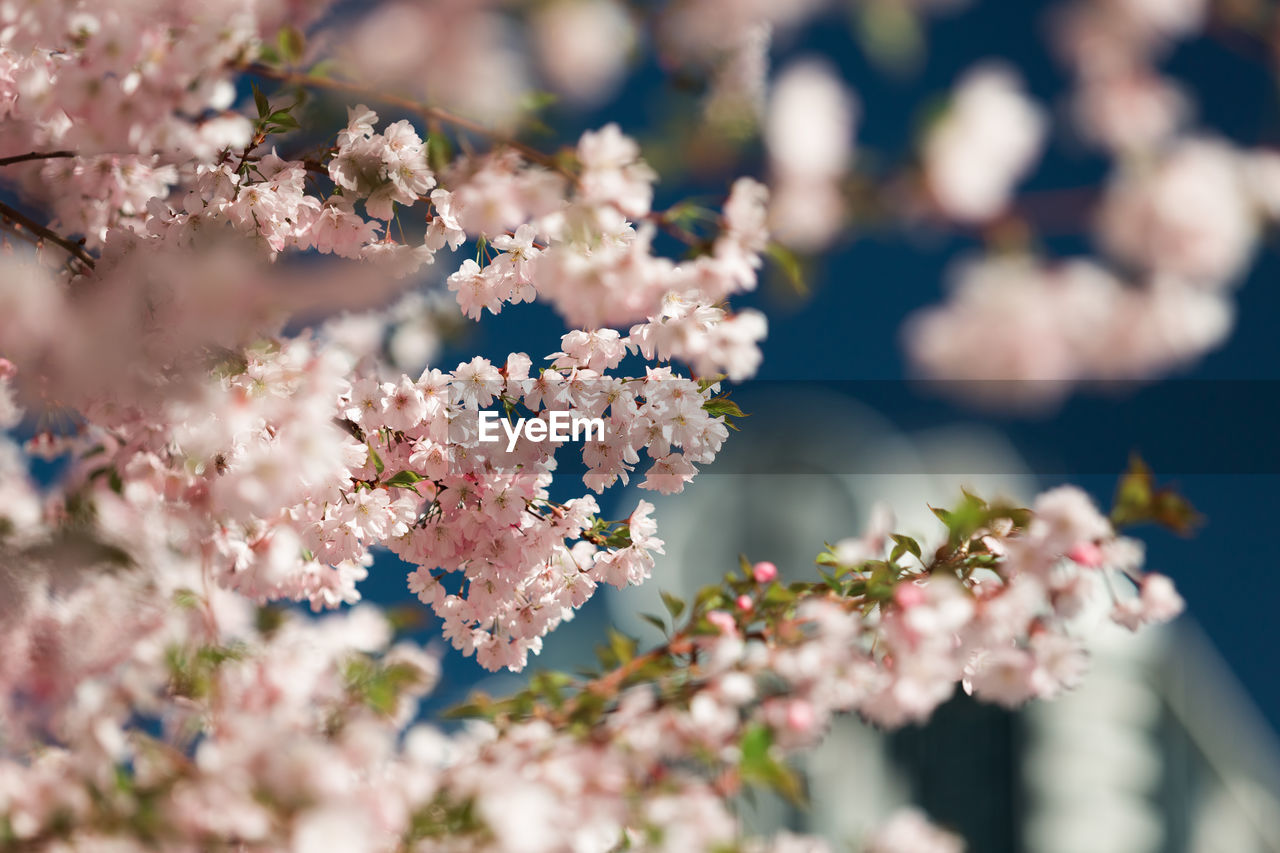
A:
{"x": 428, "y": 113}
{"x": 611, "y": 682}
{"x": 25, "y": 236}
{"x": 35, "y": 155}
{"x": 21, "y": 220}
{"x": 607, "y": 685}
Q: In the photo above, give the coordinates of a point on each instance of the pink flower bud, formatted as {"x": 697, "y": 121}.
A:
{"x": 1087, "y": 554}
{"x": 745, "y": 603}
{"x": 724, "y": 621}
{"x": 800, "y": 716}
{"x": 764, "y": 572}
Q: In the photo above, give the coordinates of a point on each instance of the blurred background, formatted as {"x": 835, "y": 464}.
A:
{"x": 1170, "y": 746}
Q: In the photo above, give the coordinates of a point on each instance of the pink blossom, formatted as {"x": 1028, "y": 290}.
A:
{"x": 909, "y": 831}
{"x": 987, "y": 140}
{"x": 764, "y": 572}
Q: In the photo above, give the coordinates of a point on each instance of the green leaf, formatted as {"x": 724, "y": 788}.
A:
{"x": 707, "y": 381}
{"x": 291, "y": 43}
{"x": 260, "y": 100}
{"x": 379, "y": 685}
{"x": 439, "y": 152}
{"x": 403, "y": 479}
{"x": 776, "y": 593}
{"x": 831, "y": 581}
{"x": 905, "y": 544}
{"x": 655, "y": 621}
{"x": 377, "y": 460}
{"x": 790, "y": 265}
{"x": 534, "y": 102}
{"x": 675, "y": 605}
{"x": 549, "y": 686}
{"x": 709, "y": 598}
{"x": 283, "y": 119}
{"x": 1175, "y": 512}
{"x": 1132, "y": 503}
{"x": 268, "y": 619}
{"x": 759, "y": 766}
{"x": 723, "y": 406}
{"x": 479, "y": 705}
{"x": 622, "y": 646}
{"x": 754, "y": 747}
{"x": 321, "y": 69}
{"x": 879, "y": 587}
{"x": 1139, "y": 501}
{"x": 688, "y": 213}
{"x": 967, "y": 518}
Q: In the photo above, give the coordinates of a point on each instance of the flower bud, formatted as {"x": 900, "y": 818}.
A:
{"x": 1087, "y": 554}
{"x": 764, "y": 572}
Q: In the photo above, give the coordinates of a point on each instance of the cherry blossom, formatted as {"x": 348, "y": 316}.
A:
{"x": 258, "y": 225}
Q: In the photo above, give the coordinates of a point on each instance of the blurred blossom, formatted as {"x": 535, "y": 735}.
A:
{"x": 1039, "y": 346}
{"x": 10, "y": 413}
{"x": 404, "y": 336}
{"x": 988, "y": 139}
{"x": 811, "y": 121}
{"x": 1130, "y": 111}
{"x": 462, "y": 55}
{"x": 1162, "y": 17}
{"x": 415, "y": 333}
{"x": 809, "y": 135}
{"x": 699, "y": 30}
{"x": 1058, "y": 325}
{"x": 736, "y": 100}
{"x": 583, "y": 46}
{"x": 157, "y": 316}
{"x": 1162, "y": 327}
{"x": 1187, "y": 213}
{"x": 1262, "y": 179}
{"x": 359, "y": 336}
{"x": 909, "y": 831}
{"x": 1122, "y": 102}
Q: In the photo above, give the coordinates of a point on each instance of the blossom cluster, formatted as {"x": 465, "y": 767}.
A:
{"x": 278, "y": 459}
{"x": 302, "y": 472}
{"x": 196, "y": 345}
{"x": 455, "y": 504}
{"x": 1176, "y": 223}
{"x": 1003, "y": 612}
{"x": 198, "y": 721}
{"x": 1178, "y": 220}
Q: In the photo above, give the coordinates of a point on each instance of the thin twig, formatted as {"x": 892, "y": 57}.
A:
{"x": 35, "y": 155}
{"x": 24, "y": 221}
{"x": 428, "y": 113}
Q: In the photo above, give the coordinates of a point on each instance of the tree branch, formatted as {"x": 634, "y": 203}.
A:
{"x": 35, "y": 155}
{"x": 428, "y": 113}
{"x": 23, "y": 221}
